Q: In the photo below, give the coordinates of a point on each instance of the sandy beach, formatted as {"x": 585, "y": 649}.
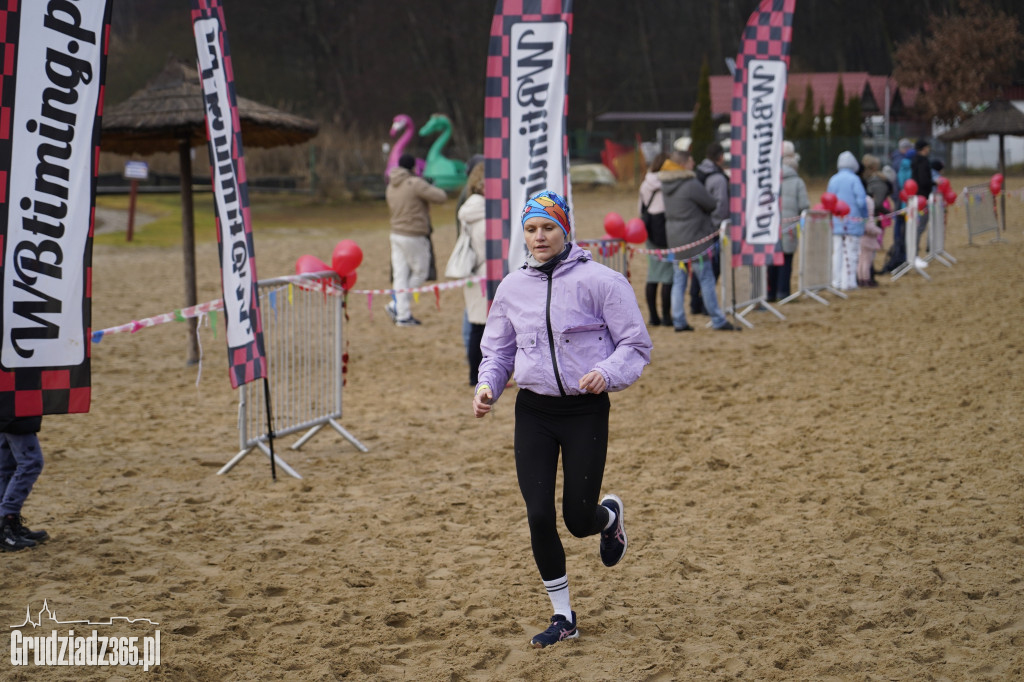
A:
{"x": 836, "y": 496}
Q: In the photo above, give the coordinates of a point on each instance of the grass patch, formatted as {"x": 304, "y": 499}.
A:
{"x": 269, "y": 212}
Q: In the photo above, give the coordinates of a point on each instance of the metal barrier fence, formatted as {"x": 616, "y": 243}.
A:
{"x": 910, "y": 239}
{"x": 744, "y": 288}
{"x": 815, "y": 256}
{"x": 610, "y": 252}
{"x": 937, "y": 232}
{"x": 302, "y": 336}
{"x": 981, "y": 212}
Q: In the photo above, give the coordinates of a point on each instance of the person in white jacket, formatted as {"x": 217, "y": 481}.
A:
{"x": 473, "y": 218}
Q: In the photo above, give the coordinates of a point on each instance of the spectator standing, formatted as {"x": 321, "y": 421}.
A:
{"x": 688, "y": 209}
{"x": 921, "y": 171}
{"x": 878, "y": 189}
{"x": 21, "y": 462}
{"x": 794, "y": 202}
{"x": 464, "y": 193}
{"x": 659, "y": 267}
{"x": 409, "y": 198}
{"x": 901, "y": 160}
{"x": 472, "y": 218}
{"x": 847, "y": 230}
{"x": 712, "y": 175}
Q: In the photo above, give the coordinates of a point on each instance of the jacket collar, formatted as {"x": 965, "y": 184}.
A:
{"x": 576, "y": 254}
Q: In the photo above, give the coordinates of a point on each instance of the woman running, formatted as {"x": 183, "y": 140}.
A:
{"x": 571, "y": 330}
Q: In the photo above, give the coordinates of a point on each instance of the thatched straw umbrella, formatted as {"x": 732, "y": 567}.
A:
{"x": 1000, "y": 118}
{"x": 167, "y": 115}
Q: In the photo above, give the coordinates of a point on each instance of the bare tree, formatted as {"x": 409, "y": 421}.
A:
{"x": 964, "y": 60}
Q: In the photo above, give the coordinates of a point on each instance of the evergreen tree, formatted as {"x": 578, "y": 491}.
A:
{"x": 806, "y": 127}
{"x": 703, "y": 130}
{"x": 792, "y": 121}
{"x": 854, "y": 118}
{"x": 839, "y": 127}
{"x": 821, "y": 125}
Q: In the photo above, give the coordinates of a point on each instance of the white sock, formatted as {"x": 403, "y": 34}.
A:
{"x": 611, "y": 519}
{"x": 558, "y": 592}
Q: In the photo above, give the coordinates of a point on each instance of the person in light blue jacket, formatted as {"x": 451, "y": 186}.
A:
{"x": 571, "y": 332}
{"x": 847, "y": 229}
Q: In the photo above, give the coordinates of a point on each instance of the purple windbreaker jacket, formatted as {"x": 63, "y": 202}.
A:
{"x": 552, "y": 332}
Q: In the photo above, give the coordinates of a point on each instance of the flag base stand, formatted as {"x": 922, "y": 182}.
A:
{"x": 757, "y": 304}
{"x": 909, "y": 266}
{"x": 266, "y": 450}
{"x": 813, "y": 294}
{"x": 262, "y": 445}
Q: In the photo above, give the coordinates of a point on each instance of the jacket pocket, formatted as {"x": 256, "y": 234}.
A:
{"x": 582, "y": 347}
{"x": 526, "y": 340}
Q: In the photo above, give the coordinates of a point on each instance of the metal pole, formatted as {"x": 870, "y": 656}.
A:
{"x": 1002, "y": 195}
{"x": 131, "y": 210}
{"x": 188, "y": 245}
{"x": 270, "y": 429}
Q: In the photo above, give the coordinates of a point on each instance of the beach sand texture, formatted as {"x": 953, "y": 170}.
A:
{"x": 836, "y": 496}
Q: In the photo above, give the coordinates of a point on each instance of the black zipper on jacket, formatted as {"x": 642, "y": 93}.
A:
{"x": 551, "y": 336}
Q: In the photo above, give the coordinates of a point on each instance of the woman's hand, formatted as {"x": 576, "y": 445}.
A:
{"x": 482, "y": 401}
{"x": 593, "y": 382}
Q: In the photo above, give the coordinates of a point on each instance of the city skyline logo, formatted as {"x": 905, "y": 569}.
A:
{"x": 60, "y": 646}
{"x": 52, "y": 617}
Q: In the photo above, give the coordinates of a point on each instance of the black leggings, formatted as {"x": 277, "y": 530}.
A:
{"x": 579, "y": 425}
{"x": 473, "y": 353}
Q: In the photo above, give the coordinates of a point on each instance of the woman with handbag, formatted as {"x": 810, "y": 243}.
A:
{"x": 659, "y": 269}
{"x": 472, "y": 221}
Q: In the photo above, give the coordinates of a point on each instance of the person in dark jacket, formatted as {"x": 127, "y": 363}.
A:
{"x": 21, "y": 461}
{"x": 711, "y": 173}
{"x": 921, "y": 171}
{"x": 688, "y": 223}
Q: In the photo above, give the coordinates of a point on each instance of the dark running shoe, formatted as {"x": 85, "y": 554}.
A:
{"x": 559, "y": 629}
{"x": 36, "y": 536}
{"x": 10, "y": 539}
{"x": 408, "y": 322}
{"x": 613, "y": 540}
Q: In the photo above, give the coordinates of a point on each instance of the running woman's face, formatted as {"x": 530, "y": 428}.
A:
{"x": 544, "y": 238}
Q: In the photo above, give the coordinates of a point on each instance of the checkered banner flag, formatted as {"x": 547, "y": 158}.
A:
{"x": 758, "y": 115}
{"x": 526, "y": 145}
{"x": 231, "y": 195}
{"x": 52, "y": 67}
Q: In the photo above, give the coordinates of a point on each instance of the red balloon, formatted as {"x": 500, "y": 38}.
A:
{"x": 348, "y": 281}
{"x": 615, "y": 226}
{"x": 943, "y": 184}
{"x": 950, "y": 197}
{"x": 636, "y": 231}
{"x": 903, "y": 195}
{"x": 310, "y": 263}
{"x": 995, "y": 185}
{"x": 346, "y": 257}
{"x": 910, "y": 187}
{"x": 828, "y": 200}
{"x": 842, "y": 208}
{"x": 818, "y": 207}
{"x": 922, "y": 204}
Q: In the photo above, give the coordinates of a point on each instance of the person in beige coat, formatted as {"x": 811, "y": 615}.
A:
{"x": 473, "y": 219}
{"x": 409, "y": 198}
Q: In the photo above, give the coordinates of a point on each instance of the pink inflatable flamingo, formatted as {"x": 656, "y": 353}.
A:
{"x": 402, "y": 124}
